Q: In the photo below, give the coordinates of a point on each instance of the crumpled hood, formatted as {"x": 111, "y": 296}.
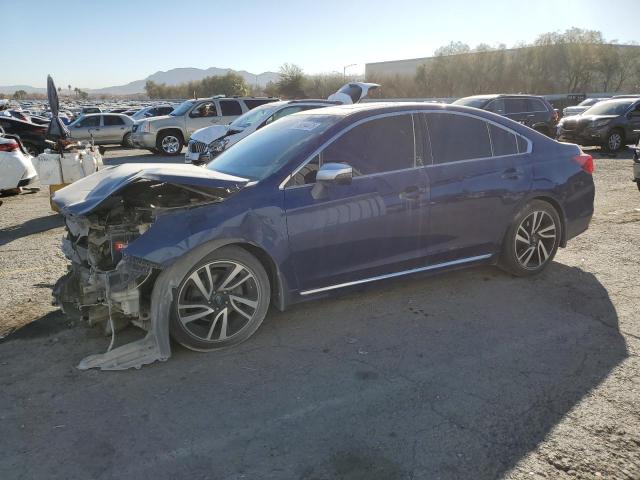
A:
{"x": 209, "y": 134}
{"x": 85, "y": 195}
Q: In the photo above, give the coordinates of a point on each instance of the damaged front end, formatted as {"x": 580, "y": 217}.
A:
{"x": 104, "y": 286}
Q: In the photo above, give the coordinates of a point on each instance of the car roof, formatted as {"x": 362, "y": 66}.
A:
{"x": 381, "y": 107}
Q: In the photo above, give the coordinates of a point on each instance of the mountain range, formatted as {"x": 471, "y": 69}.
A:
{"x": 174, "y": 76}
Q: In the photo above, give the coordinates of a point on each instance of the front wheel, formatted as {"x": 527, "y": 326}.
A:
{"x": 532, "y": 240}
{"x": 614, "y": 141}
{"x": 221, "y": 301}
{"x": 169, "y": 143}
{"x": 126, "y": 141}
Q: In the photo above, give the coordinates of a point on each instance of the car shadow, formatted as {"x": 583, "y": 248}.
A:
{"x": 30, "y": 227}
{"x": 452, "y": 376}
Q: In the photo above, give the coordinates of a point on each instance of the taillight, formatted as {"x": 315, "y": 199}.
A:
{"x": 9, "y": 146}
{"x": 585, "y": 161}
{"x": 118, "y": 246}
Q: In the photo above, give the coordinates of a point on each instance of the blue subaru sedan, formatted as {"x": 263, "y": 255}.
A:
{"x": 315, "y": 203}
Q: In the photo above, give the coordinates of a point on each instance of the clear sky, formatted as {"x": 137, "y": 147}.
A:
{"x": 92, "y": 44}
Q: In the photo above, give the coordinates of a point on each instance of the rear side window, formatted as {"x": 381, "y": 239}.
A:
{"x": 230, "y": 108}
{"x": 457, "y": 137}
{"x": 112, "y": 120}
{"x": 496, "y": 106}
{"x": 503, "y": 141}
{"x": 377, "y": 146}
{"x": 537, "y": 105}
{"x": 253, "y": 103}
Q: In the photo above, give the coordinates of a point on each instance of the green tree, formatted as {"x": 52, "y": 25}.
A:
{"x": 19, "y": 95}
{"x": 291, "y": 81}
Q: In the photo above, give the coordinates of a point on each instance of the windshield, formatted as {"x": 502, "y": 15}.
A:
{"x": 612, "y": 107}
{"x": 588, "y": 102}
{"x": 252, "y": 117}
{"x": 265, "y": 151}
{"x": 471, "y": 102}
{"x": 182, "y": 108}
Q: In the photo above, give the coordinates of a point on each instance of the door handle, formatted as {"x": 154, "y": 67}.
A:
{"x": 511, "y": 174}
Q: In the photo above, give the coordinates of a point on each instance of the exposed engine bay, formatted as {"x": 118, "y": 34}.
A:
{"x": 103, "y": 285}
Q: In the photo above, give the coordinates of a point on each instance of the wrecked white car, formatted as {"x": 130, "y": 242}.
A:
{"x": 209, "y": 142}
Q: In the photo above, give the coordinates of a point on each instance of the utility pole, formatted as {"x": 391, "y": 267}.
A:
{"x": 344, "y": 70}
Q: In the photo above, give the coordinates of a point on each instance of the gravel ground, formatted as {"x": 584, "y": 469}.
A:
{"x": 470, "y": 374}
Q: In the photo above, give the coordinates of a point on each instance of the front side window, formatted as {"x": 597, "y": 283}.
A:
{"x": 182, "y": 108}
{"x": 516, "y": 105}
{"x": 93, "y": 121}
{"x": 380, "y": 145}
{"x": 496, "y": 106}
{"x": 112, "y": 120}
{"x": 230, "y": 108}
{"x": 204, "y": 110}
{"x": 457, "y": 137}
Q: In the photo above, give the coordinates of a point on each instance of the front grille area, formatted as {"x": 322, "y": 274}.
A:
{"x": 197, "y": 147}
{"x": 570, "y": 124}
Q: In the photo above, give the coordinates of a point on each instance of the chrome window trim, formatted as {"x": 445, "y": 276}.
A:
{"x": 408, "y": 112}
{"x": 459, "y": 261}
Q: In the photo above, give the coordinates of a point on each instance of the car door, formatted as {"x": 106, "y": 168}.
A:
{"x": 202, "y": 115}
{"x": 517, "y": 109}
{"x": 368, "y": 228}
{"x": 633, "y": 131}
{"x": 85, "y": 126}
{"x": 113, "y": 129}
{"x": 230, "y": 110}
{"x": 480, "y": 173}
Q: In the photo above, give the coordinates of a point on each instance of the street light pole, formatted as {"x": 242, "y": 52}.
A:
{"x": 344, "y": 70}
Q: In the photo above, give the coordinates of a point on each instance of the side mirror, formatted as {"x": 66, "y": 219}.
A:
{"x": 331, "y": 173}
{"x": 336, "y": 173}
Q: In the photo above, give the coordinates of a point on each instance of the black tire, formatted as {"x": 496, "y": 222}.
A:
{"x": 126, "y": 141}
{"x": 517, "y": 257}
{"x": 170, "y": 142}
{"x": 200, "y": 333}
{"x": 614, "y": 141}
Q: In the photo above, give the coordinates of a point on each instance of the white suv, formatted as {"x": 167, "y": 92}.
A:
{"x": 208, "y": 142}
{"x": 167, "y": 134}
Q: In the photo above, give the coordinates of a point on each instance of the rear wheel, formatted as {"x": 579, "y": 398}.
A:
{"x": 221, "y": 301}
{"x": 532, "y": 240}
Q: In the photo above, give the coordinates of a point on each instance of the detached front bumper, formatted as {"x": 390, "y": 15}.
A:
{"x": 197, "y": 158}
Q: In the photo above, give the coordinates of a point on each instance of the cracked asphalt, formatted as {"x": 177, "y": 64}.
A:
{"x": 469, "y": 374}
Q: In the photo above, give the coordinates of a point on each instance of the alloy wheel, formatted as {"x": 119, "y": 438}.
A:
{"x": 535, "y": 240}
{"x": 218, "y": 300}
{"x": 170, "y": 144}
{"x": 615, "y": 141}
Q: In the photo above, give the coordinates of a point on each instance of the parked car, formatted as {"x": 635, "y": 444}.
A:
{"x": 106, "y": 128}
{"x": 530, "y": 110}
{"x": 152, "y": 111}
{"x": 31, "y": 135}
{"x": 314, "y": 203}
{"x": 581, "y": 107}
{"x": 208, "y": 142}
{"x": 16, "y": 168}
{"x": 87, "y": 110}
{"x": 610, "y": 124}
{"x": 169, "y": 133}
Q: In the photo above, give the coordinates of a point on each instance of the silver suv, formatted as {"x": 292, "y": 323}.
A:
{"x": 169, "y": 133}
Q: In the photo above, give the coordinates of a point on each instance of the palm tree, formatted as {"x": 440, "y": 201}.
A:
{"x": 77, "y": 90}
{"x": 69, "y": 86}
